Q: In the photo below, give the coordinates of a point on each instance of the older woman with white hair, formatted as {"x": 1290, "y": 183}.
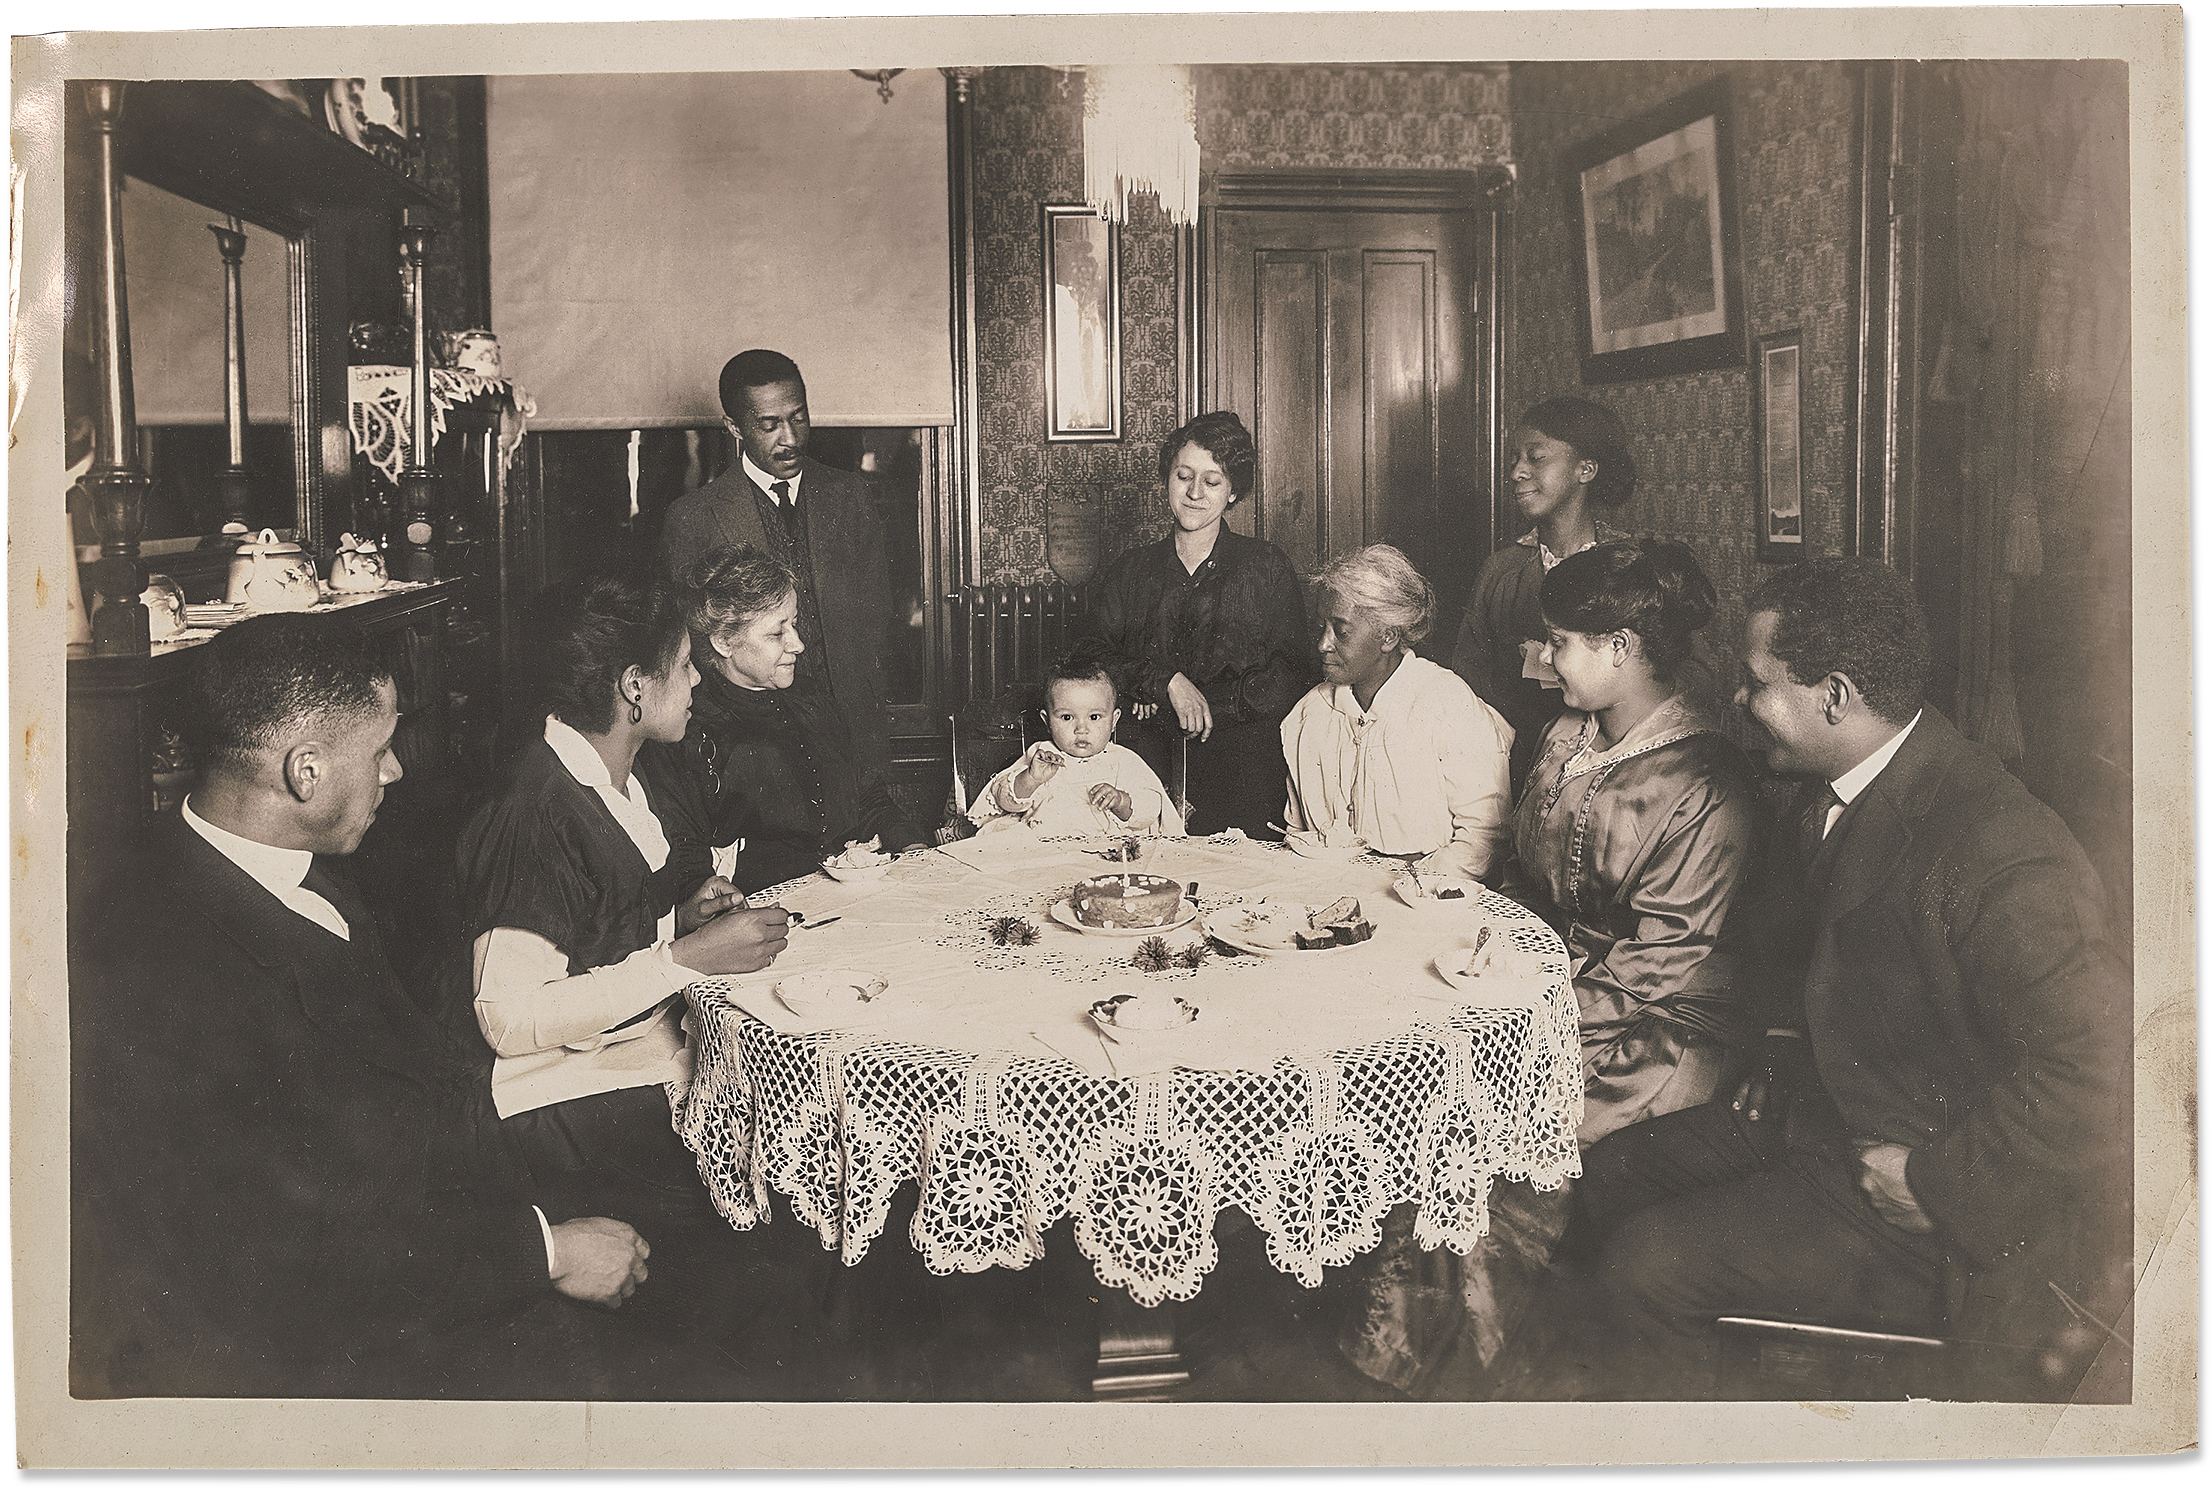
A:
{"x": 1389, "y": 747}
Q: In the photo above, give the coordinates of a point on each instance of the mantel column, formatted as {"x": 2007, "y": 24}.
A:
{"x": 418, "y": 483}
{"x": 116, "y": 485}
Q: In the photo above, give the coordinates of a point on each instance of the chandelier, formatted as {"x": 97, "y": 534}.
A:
{"x": 1139, "y": 133}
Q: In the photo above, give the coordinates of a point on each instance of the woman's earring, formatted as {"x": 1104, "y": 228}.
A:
{"x": 637, "y": 709}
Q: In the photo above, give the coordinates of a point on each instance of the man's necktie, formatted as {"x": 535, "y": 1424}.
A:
{"x": 787, "y": 505}
{"x": 1812, "y": 831}
{"x": 360, "y": 924}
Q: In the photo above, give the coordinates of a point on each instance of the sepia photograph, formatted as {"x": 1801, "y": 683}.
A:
{"x": 1362, "y": 741}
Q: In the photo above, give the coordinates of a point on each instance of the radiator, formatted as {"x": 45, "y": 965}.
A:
{"x": 1003, "y": 634}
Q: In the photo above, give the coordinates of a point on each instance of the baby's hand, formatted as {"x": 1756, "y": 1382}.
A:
{"x": 1107, "y": 797}
{"x": 1044, "y": 763}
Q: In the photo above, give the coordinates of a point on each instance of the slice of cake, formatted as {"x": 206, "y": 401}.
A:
{"x": 1126, "y": 901}
{"x": 1337, "y": 924}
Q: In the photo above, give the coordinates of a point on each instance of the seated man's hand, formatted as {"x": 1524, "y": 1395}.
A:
{"x": 707, "y": 901}
{"x": 1882, "y": 1178}
{"x": 735, "y": 941}
{"x": 1782, "y": 1066}
{"x": 597, "y": 1260}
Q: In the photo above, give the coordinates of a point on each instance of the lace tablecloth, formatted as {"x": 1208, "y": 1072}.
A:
{"x": 1336, "y": 1084}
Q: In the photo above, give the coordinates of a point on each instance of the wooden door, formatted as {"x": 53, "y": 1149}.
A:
{"x": 1345, "y": 331}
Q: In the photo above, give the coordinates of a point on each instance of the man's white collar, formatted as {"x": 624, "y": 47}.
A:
{"x": 1853, "y": 781}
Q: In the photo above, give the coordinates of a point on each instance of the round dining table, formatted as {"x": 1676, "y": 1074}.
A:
{"x": 1313, "y": 1090}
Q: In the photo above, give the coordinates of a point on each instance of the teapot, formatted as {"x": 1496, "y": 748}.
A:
{"x": 356, "y": 566}
{"x": 268, "y": 574}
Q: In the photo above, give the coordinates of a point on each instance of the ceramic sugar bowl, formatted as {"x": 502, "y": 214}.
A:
{"x": 164, "y": 602}
{"x": 357, "y": 566}
{"x": 269, "y": 574}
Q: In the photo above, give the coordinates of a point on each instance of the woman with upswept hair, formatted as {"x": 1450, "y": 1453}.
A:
{"x": 1208, "y": 628}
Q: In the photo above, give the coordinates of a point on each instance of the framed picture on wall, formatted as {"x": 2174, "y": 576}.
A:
{"x": 1777, "y": 384}
{"x": 1652, "y": 203}
{"x": 1082, "y": 324}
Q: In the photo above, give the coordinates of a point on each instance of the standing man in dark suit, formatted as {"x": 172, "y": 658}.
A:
{"x": 287, "y": 1177}
{"x": 1954, "y": 1022}
{"x": 816, "y": 518}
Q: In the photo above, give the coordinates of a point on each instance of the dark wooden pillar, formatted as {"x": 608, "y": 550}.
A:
{"x": 116, "y": 485}
{"x": 418, "y": 482}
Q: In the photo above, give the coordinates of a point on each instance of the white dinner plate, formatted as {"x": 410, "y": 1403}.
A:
{"x": 1064, "y": 913}
{"x": 1270, "y": 928}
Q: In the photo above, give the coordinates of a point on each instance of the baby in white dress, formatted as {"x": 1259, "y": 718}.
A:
{"x": 1080, "y": 782}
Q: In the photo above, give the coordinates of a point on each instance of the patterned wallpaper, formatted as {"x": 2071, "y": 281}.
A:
{"x": 1795, "y": 192}
{"x": 1430, "y": 116}
{"x": 1796, "y": 196}
{"x": 1028, "y": 151}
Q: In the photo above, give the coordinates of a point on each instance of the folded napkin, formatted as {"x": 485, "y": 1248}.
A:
{"x": 821, "y": 897}
{"x": 1011, "y": 852}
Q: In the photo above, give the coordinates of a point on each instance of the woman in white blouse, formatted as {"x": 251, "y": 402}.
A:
{"x": 581, "y": 943}
{"x": 1389, "y": 747}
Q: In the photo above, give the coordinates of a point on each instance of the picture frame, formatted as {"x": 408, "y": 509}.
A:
{"x": 1781, "y": 469}
{"x": 1657, "y": 249}
{"x": 1082, "y": 324}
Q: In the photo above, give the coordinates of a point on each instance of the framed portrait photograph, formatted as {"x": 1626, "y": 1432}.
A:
{"x": 1778, "y": 389}
{"x": 1082, "y": 324}
{"x": 1653, "y": 208}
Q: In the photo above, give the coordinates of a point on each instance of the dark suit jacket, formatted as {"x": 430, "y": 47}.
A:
{"x": 851, "y": 583}
{"x": 1962, "y": 998}
{"x": 284, "y": 1179}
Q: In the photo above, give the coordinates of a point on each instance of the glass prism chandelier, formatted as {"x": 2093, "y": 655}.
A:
{"x": 1139, "y": 133}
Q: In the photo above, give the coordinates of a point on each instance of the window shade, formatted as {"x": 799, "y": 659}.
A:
{"x": 647, "y": 227}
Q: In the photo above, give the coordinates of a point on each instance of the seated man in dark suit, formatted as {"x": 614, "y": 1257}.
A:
{"x": 1957, "y": 1025}
{"x": 819, "y": 520}
{"x": 287, "y": 1178}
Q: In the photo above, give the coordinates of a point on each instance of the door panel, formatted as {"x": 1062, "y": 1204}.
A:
{"x": 1398, "y": 313}
{"x": 1344, "y": 337}
{"x": 1290, "y": 423}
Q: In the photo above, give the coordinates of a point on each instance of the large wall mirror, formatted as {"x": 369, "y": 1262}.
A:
{"x": 175, "y": 274}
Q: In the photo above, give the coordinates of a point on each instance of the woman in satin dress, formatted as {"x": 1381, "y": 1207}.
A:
{"x": 1637, "y": 836}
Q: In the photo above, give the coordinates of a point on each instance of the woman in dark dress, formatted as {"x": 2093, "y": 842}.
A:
{"x": 765, "y": 782}
{"x": 1209, "y": 628}
{"x": 581, "y": 946}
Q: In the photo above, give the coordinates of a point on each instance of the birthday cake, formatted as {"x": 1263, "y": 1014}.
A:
{"x": 1126, "y": 901}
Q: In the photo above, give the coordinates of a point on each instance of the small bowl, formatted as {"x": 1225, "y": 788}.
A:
{"x": 856, "y": 873}
{"x": 1468, "y": 892}
{"x": 1129, "y": 849}
{"x": 1308, "y": 845}
{"x": 1105, "y": 1013}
